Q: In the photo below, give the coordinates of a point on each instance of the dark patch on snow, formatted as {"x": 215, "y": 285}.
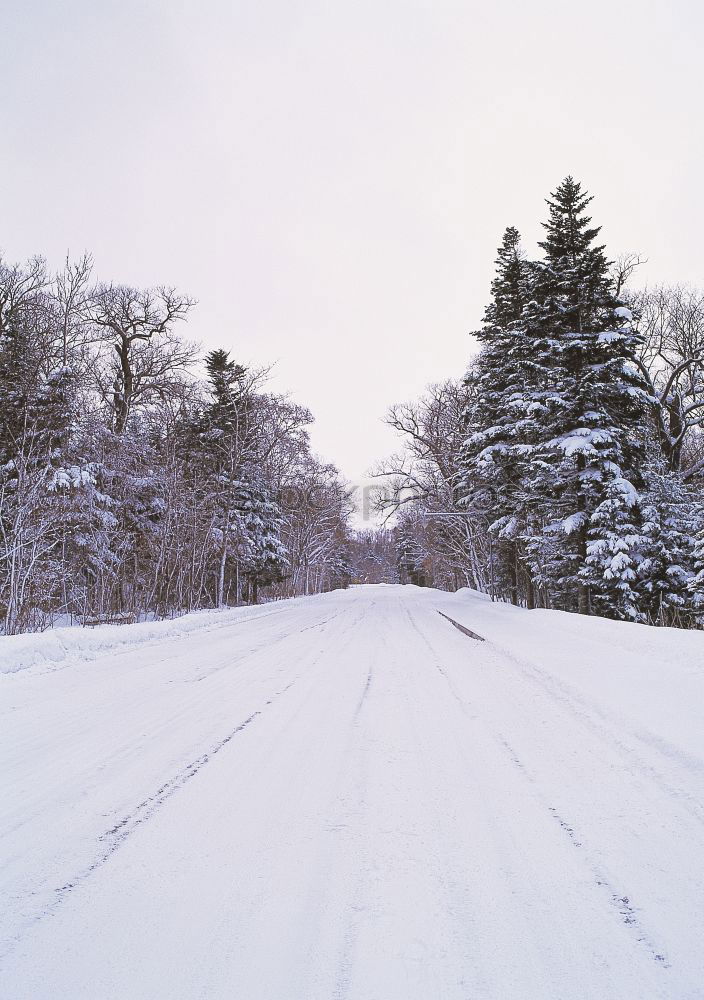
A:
{"x": 566, "y": 827}
{"x": 514, "y": 757}
{"x": 365, "y": 692}
{"x": 462, "y": 628}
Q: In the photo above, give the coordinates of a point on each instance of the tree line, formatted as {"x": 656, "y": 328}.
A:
{"x": 565, "y": 470}
{"x": 132, "y": 481}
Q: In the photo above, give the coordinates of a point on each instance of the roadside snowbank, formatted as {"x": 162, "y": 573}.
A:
{"x": 59, "y": 647}
{"x": 646, "y": 674}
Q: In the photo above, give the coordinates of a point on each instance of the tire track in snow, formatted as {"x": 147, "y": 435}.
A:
{"x": 119, "y": 833}
{"x": 364, "y": 901}
{"x": 365, "y": 692}
{"x": 600, "y": 723}
{"x": 355, "y": 905}
{"x": 617, "y": 899}
{"x": 623, "y": 903}
{"x": 116, "y": 836}
{"x": 462, "y": 702}
{"x": 228, "y": 663}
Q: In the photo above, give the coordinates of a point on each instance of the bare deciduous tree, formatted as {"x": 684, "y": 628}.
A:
{"x": 424, "y": 479}
{"x": 139, "y": 324}
{"x": 671, "y": 322}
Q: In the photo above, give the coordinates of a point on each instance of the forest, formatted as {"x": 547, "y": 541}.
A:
{"x": 563, "y": 469}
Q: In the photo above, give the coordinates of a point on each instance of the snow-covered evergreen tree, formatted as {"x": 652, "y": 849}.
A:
{"x": 411, "y": 553}
{"x": 615, "y": 552}
{"x": 246, "y": 519}
{"x": 226, "y": 384}
{"x": 263, "y": 555}
{"x": 672, "y": 516}
{"x": 697, "y": 582}
{"x": 498, "y": 422}
{"x": 19, "y": 382}
{"x": 590, "y": 409}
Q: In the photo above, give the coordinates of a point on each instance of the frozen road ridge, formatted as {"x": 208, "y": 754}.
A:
{"x": 348, "y": 797}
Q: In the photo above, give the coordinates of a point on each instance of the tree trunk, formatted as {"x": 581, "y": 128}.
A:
{"x": 123, "y": 392}
{"x": 583, "y": 590}
{"x": 221, "y": 577}
{"x": 676, "y": 427}
{"x": 530, "y": 592}
{"x": 513, "y": 575}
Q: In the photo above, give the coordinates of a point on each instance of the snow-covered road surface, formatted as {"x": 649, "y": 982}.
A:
{"x": 347, "y": 797}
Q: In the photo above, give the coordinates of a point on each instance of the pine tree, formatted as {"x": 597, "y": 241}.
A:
{"x": 672, "y": 516}
{"x": 411, "y": 554}
{"x": 499, "y": 423}
{"x": 590, "y": 411}
{"x": 38, "y": 479}
{"x": 226, "y": 379}
{"x": 246, "y": 519}
{"x": 697, "y": 582}
{"x": 19, "y": 382}
{"x": 52, "y": 416}
{"x": 264, "y": 558}
{"x": 615, "y": 557}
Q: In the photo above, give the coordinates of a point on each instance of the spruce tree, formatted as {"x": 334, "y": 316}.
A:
{"x": 590, "y": 411}
{"x": 615, "y": 559}
{"x": 672, "y": 516}
{"x": 264, "y": 557}
{"x": 411, "y": 555}
{"x": 697, "y": 583}
{"x": 19, "y": 382}
{"x": 226, "y": 378}
{"x": 247, "y": 519}
{"x": 498, "y": 421}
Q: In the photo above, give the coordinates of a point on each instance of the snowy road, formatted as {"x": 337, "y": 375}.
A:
{"x": 347, "y": 797}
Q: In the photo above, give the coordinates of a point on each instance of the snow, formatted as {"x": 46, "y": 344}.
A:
{"x": 573, "y": 522}
{"x": 623, "y": 313}
{"x": 626, "y": 490}
{"x": 61, "y": 647}
{"x": 71, "y": 478}
{"x": 345, "y": 796}
{"x": 581, "y": 441}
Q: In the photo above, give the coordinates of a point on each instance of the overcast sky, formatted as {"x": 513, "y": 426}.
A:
{"x": 330, "y": 180}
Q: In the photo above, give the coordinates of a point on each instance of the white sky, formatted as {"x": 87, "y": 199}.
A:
{"x": 330, "y": 180}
